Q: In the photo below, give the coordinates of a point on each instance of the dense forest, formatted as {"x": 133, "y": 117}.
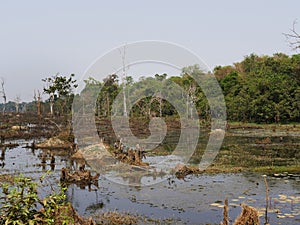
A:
{"x": 262, "y": 89}
{"x": 259, "y": 89}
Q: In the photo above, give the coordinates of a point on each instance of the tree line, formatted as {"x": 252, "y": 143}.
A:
{"x": 259, "y": 89}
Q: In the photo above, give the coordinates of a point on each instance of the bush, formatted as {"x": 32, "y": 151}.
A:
{"x": 21, "y": 204}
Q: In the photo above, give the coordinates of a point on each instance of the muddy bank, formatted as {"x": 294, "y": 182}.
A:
{"x": 28, "y": 126}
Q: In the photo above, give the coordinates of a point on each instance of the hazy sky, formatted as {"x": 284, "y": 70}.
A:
{"x": 40, "y": 38}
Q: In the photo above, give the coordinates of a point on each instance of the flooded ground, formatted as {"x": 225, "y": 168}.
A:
{"x": 195, "y": 199}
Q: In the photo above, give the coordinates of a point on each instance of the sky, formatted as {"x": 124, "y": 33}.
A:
{"x": 41, "y": 38}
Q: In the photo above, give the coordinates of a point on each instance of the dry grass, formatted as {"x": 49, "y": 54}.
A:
{"x": 225, "y": 213}
{"x": 249, "y": 216}
{"x": 182, "y": 170}
{"x": 116, "y": 218}
{"x": 6, "y": 178}
{"x": 74, "y": 218}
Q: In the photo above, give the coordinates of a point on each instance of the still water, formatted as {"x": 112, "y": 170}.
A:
{"x": 194, "y": 200}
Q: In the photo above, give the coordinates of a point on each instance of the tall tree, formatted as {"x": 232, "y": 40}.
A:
{"x": 37, "y": 100}
{"x": 109, "y": 91}
{"x": 124, "y": 79}
{"x": 3, "y": 94}
{"x": 17, "y": 103}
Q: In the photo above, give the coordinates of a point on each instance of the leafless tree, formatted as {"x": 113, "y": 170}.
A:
{"x": 123, "y": 54}
{"x": 48, "y": 90}
{"x": 17, "y": 103}
{"x": 37, "y": 99}
{"x": 2, "y": 92}
{"x": 293, "y": 37}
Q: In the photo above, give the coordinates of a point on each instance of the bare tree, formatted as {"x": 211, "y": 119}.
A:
{"x": 50, "y": 90}
{"x": 17, "y": 103}
{"x": 37, "y": 99}
{"x": 123, "y": 54}
{"x": 2, "y": 92}
{"x": 293, "y": 37}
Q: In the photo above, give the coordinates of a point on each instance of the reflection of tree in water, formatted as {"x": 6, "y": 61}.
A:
{"x": 94, "y": 207}
{"x": 135, "y": 178}
{"x": 2, "y": 157}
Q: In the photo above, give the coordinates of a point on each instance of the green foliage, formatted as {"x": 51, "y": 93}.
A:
{"x": 263, "y": 89}
{"x": 60, "y": 86}
{"x": 60, "y": 91}
{"x": 109, "y": 90}
{"x": 259, "y": 89}
{"x": 19, "y": 204}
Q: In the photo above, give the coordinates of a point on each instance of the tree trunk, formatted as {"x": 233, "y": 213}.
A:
{"x": 51, "y": 104}
{"x": 39, "y": 103}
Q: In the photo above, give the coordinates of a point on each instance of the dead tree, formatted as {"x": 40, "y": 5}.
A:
{"x": 37, "y": 99}
{"x": 293, "y": 37}
{"x": 125, "y": 114}
{"x": 3, "y": 95}
{"x": 17, "y": 103}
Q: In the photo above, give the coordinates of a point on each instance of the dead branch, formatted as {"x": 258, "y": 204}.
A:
{"x": 293, "y": 37}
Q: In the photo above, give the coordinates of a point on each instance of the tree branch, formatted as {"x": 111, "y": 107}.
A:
{"x": 293, "y": 37}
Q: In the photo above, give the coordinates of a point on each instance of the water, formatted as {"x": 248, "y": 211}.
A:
{"x": 190, "y": 201}
{"x": 194, "y": 200}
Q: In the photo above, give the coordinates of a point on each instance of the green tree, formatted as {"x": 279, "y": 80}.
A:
{"x": 109, "y": 90}
{"x": 60, "y": 90}
{"x": 262, "y": 89}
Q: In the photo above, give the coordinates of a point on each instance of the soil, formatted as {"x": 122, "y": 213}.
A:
{"x": 28, "y": 126}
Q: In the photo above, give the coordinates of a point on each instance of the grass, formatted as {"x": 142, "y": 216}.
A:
{"x": 278, "y": 169}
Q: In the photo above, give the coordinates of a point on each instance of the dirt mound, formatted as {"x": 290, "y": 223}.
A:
{"x": 54, "y": 142}
{"x": 182, "y": 170}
